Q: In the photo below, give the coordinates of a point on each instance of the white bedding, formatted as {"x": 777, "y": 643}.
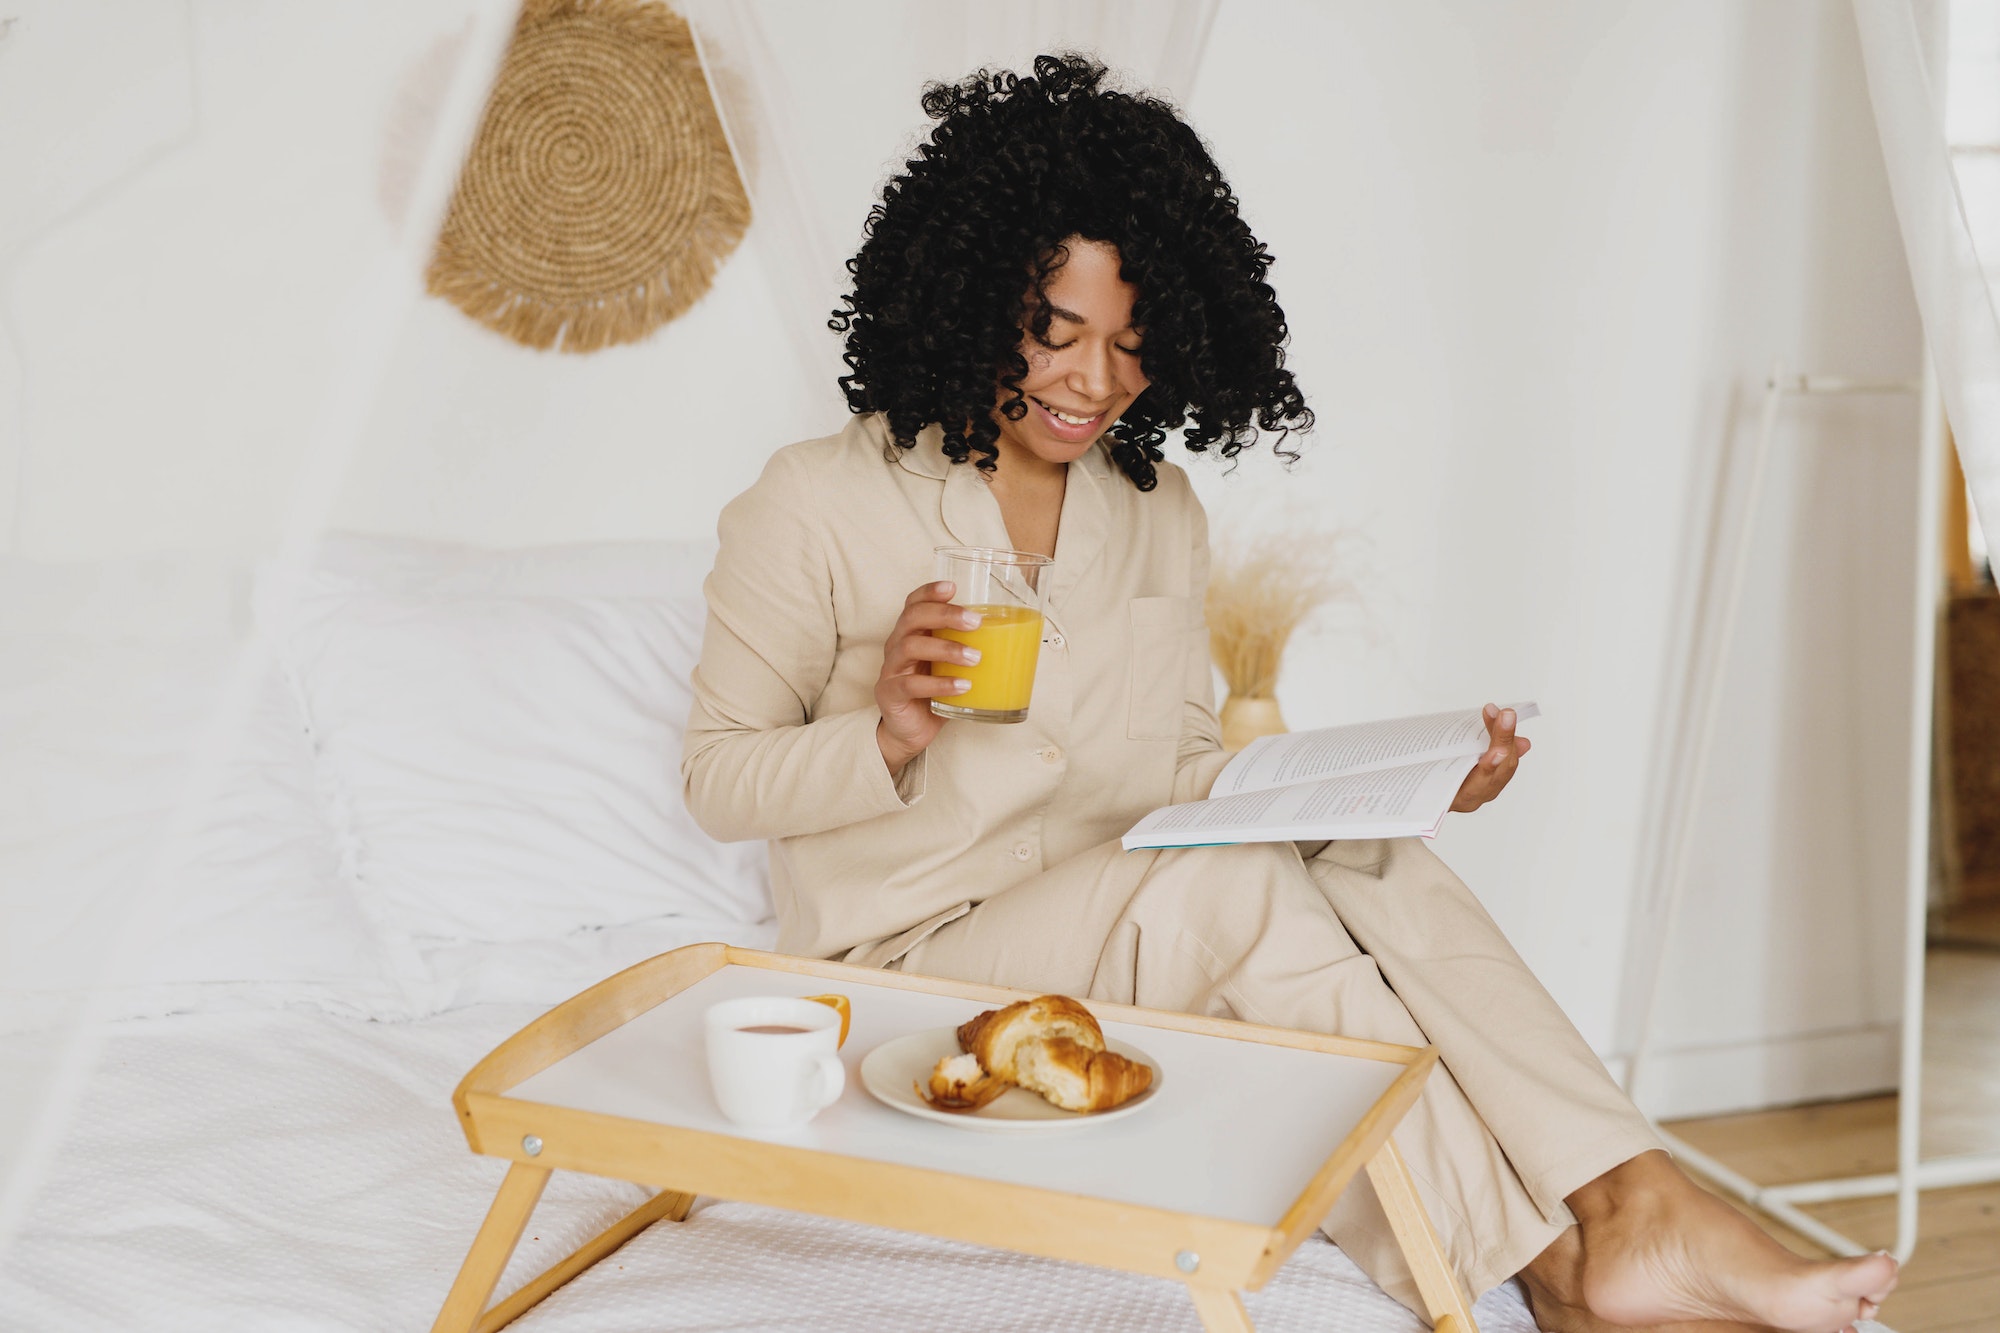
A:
{"x": 298, "y": 1170}
{"x": 278, "y": 1151}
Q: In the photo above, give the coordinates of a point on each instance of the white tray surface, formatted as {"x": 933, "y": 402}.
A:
{"x": 1240, "y": 1128}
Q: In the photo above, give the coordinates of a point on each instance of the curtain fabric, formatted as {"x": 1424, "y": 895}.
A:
{"x": 96, "y": 931}
{"x": 413, "y": 94}
{"x": 1953, "y": 296}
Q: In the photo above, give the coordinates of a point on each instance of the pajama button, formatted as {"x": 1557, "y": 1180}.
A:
{"x": 1050, "y": 754}
{"x": 1022, "y": 851}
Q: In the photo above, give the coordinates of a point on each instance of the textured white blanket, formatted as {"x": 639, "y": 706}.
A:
{"x": 295, "y": 1170}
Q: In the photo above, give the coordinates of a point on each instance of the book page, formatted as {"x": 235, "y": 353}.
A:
{"x": 1307, "y": 756}
{"x": 1407, "y": 800}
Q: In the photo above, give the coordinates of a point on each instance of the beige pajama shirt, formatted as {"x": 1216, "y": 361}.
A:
{"x": 994, "y": 856}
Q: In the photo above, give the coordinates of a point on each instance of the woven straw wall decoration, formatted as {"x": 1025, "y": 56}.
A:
{"x": 599, "y": 197}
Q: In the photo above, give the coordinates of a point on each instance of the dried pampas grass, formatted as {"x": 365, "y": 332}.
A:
{"x": 1260, "y": 590}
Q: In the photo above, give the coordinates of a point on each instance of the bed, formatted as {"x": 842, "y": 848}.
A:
{"x": 300, "y": 1170}
{"x": 448, "y": 801}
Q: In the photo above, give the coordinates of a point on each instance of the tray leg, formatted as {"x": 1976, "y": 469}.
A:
{"x": 491, "y": 1248}
{"x": 1439, "y": 1288}
{"x": 1221, "y": 1310}
{"x": 667, "y": 1204}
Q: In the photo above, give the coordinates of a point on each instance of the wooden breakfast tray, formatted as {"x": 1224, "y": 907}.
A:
{"x": 1256, "y": 1132}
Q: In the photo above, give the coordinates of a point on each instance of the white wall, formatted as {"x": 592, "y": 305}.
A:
{"x": 1536, "y": 260}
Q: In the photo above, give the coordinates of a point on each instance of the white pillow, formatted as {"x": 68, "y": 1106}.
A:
{"x": 500, "y": 735}
{"x": 110, "y": 688}
{"x": 257, "y": 894}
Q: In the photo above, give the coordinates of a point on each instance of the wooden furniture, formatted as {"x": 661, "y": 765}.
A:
{"x": 1967, "y": 777}
{"x": 1256, "y": 1132}
{"x": 1968, "y": 761}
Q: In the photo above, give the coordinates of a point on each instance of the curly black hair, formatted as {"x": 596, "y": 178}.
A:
{"x": 1015, "y": 166}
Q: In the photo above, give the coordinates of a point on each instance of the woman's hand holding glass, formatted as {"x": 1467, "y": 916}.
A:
{"x": 905, "y": 688}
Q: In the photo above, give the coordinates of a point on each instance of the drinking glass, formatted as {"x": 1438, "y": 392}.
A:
{"x": 1004, "y": 589}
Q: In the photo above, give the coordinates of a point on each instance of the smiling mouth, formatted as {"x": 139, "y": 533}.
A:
{"x": 1067, "y": 418}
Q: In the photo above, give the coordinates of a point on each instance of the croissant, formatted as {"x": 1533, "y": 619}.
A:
{"x": 996, "y": 1035}
{"x": 1053, "y": 1046}
{"x": 959, "y": 1084}
{"x": 1076, "y": 1078}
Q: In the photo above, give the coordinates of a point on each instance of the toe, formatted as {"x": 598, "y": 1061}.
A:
{"x": 1871, "y": 1277}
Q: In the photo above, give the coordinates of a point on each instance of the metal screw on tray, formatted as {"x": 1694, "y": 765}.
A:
{"x": 531, "y": 1144}
{"x": 1187, "y": 1261}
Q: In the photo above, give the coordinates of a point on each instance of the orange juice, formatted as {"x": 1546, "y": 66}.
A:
{"x": 1009, "y": 639}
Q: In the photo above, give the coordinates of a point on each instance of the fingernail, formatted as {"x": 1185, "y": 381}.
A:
{"x": 969, "y": 656}
{"x": 942, "y": 588}
{"x": 1497, "y": 757}
{"x": 1507, "y": 718}
{"x": 1491, "y": 712}
{"x": 968, "y": 621}
{"x": 961, "y": 685}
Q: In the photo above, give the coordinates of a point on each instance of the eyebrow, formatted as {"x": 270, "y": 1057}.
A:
{"x": 1057, "y": 312}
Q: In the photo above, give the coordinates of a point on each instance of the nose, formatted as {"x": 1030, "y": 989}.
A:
{"x": 1093, "y": 374}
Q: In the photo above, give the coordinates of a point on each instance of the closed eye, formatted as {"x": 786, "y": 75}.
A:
{"x": 1058, "y": 347}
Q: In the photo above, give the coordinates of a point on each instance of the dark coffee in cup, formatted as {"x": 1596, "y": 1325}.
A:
{"x": 774, "y": 1060}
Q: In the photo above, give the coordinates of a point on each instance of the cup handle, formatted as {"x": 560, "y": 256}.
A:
{"x": 829, "y": 1080}
{"x": 839, "y": 1005}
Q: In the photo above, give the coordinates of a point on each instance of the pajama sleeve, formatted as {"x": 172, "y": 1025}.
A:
{"x": 1201, "y": 757}
{"x": 758, "y": 763}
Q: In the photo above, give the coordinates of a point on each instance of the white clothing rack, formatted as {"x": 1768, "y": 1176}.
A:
{"x": 1912, "y": 1173}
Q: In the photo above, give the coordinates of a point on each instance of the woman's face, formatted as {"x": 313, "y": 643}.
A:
{"x": 1087, "y": 371}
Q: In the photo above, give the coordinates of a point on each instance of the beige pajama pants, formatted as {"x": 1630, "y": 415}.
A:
{"x": 1364, "y": 939}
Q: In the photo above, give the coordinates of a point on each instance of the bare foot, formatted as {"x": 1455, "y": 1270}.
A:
{"x": 1558, "y": 1305}
{"x": 1555, "y": 1289}
{"x": 1654, "y": 1250}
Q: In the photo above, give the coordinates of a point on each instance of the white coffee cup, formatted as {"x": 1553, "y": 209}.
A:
{"x": 772, "y": 1060}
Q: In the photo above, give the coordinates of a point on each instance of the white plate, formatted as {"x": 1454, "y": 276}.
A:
{"x": 892, "y": 1071}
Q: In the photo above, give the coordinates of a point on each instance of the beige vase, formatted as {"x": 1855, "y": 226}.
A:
{"x": 1244, "y": 720}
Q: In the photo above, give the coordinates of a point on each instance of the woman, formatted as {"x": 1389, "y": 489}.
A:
{"x": 1057, "y": 279}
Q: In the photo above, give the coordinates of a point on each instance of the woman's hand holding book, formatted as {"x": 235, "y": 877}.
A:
{"x": 1496, "y": 767}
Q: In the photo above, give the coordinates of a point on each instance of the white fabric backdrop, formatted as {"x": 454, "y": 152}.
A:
{"x": 100, "y": 938}
{"x": 1952, "y": 291}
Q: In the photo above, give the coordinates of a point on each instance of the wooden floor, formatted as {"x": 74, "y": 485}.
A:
{"x": 1952, "y": 1282}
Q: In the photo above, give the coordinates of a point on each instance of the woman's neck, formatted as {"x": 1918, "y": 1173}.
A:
{"x": 1030, "y": 494}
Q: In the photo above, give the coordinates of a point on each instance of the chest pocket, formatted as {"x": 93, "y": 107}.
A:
{"x": 1159, "y": 667}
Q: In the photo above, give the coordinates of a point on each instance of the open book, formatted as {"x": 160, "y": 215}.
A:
{"x": 1389, "y": 779}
